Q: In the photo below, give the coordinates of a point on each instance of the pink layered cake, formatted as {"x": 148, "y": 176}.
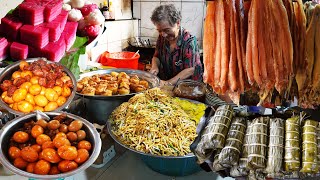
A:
{"x": 10, "y": 27}
{"x": 54, "y": 51}
{"x": 4, "y": 48}
{"x": 69, "y": 33}
{"x": 52, "y": 10}
{"x": 18, "y": 51}
{"x": 36, "y": 36}
{"x": 31, "y": 13}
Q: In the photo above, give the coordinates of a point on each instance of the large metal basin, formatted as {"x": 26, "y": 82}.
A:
{"x": 7, "y": 72}
{"x": 99, "y": 107}
{"x": 11, "y": 127}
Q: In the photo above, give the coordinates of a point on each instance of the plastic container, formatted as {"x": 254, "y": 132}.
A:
{"x": 190, "y": 89}
{"x": 120, "y": 59}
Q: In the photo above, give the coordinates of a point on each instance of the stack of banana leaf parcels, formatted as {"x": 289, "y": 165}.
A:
{"x": 259, "y": 144}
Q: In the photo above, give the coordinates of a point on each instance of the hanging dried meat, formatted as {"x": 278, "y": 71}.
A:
{"x": 275, "y": 151}
{"x": 309, "y": 147}
{"x": 242, "y": 168}
{"x": 214, "y": 134}
{"x": 292, "y": 144}
{"x": 230, "y": 154}
{"x": 258, "y": 140}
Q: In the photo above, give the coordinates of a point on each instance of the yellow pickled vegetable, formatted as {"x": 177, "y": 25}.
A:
{"x": 195, "y": 111}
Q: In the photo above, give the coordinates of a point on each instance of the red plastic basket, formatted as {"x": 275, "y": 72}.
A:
{"x": 120, "y": 59}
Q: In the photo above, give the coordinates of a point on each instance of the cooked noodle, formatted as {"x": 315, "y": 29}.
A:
{"x": 152, "y": 123}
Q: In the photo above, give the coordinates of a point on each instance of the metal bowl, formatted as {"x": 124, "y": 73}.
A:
{"x": 168, "y": 165}
{"x": 99, "y": 107}
{"x": 11, "y": 127}
{"x": 7, "y": 72}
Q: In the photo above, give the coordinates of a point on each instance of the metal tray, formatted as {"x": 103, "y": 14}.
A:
{"x": 11, "y": 127}
{"x": 7, "y": 72}
{"x": 153, "y": 80}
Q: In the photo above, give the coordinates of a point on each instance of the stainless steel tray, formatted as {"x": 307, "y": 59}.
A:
{"x": 153, "y": 80}
{"x": 7, "y": 72}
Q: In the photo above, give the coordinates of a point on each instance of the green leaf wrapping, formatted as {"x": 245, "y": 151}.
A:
{"x": 309, "y": 147}
{"x": 292, "y": 144}
{"x": 258, "y": 140}
{"x": 242, "y": 169}
{"x": 275, "y": 151}
{"x": 214, "y": 134}
{"x": 318, "y": 145}
{"x": 230, "y": 154}
{"x": 216, "y": 165}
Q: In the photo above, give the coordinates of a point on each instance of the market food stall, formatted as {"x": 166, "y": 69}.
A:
{"x": 176, "y": 130}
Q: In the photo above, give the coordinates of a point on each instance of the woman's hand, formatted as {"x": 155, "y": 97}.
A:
{"x": 165, "y": 83}
{"x": 154, "y": 70}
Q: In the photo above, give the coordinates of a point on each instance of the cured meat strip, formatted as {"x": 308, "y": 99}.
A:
{"x": 238, "y": 17}
{"x": 244, "y": 11}
{"x": 277, "y": 53}
{"x": 248, "y": 61}
{"x": 253, "y": 24}
{"x": 316, "y": 66}
{"x": 233, "y": 83}
{"x": 225, "y": 25}
{"x": 261, "y": 44}
{"x": 209, "y": 43}
{"x": 219, "y": 18}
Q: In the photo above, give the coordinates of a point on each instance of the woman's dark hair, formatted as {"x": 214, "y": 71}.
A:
{"x": 166, "y": 13}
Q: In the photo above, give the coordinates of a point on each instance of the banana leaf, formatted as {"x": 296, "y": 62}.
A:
{"x": 230, "y": 154}
{"x": 242, "y": 168}
{"x": 309, "y": 147}
{"x": 214, "y": 134}
{"x": 318, "y": 145}
{"x": 275, "y": 152}
{"x": 216, "y": 165}
{"x": 258, "y": 140}
{"x": 292, "y": 144}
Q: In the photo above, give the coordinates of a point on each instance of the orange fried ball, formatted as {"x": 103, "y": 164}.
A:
{"x": 72, "y": 136}
{"x": 23, "y": 64}
{"x": 14, "y": 152}
{"x": 81, "y": 134}
{"x": 61, "y": 100}
{"x": 29, "y": 154}
{"x": 51, "y": 106}
{"x": 83, "y": 155}
{"x": 63, "y": 128}
{"x": 36, "y": 131}
{"x": 54, "y": 170}
{"x": 40, "y": 100}
{"x": 53, "y": 124}
{"x": 19, "y": 95}
{"x": 37, "y": 148}
{"x": 42, "y": 138}
{"x": 61, "y": 134}
{"x": 66, "y": 165}
{"x": 47, "y": 144}
{"x": 35, "y": 89}
{"x": 20, "y": 163}
{"x": 50, "y": 155}
{"x": 75, "y": 126}
{"x": 68, "y": 152}
{"x": 21, "y": 137}
{"x": 25, "y": 106}
{"x": 43, "y": 123}
{"x": 60, "y": 141}
{"x": 84, "y": 145}
{"x": 30, "y": 167}
{"x": 42, "y": 167}
{"x": 51, "y": 94}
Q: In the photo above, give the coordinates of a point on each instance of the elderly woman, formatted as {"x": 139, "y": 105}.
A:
{"x": 177, "y": 54}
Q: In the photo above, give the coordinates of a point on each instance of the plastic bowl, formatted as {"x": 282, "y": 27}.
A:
{"x": 120, "y": 59}
{"x": 11, "y": 127}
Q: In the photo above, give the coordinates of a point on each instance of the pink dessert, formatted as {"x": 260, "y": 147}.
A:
{"x": 4, "y": 48}
{"x": 31, "y": 13}
{"x": 54, "y": 51}
{"x": 10, "y": 27}
{"x": 52, "y": 10}
{"x": 18, "y": 51}
{"x": 36, "y": 36}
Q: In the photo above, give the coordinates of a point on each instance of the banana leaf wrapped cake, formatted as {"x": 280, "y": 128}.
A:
{"x": 216, "y": 165}
{"x": 318, "y": 144}
{"x": 242, "y": 168}
{"x": 258, "y": 140}
{"x": 214, "y": 135}
{"x": 275, "y": 151}
{"x": 309, "y": 147}
{"x": 230, "y": 154}
{"x": 292, "y": 144}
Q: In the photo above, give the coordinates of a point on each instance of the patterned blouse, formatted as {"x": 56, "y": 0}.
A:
{"x": 184, "y": 56}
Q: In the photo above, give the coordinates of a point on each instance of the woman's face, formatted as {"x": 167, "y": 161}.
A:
{"x": 167, "y": 31}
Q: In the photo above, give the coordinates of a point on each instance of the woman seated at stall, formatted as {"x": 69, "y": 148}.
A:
{"x": 177, "y": 54}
